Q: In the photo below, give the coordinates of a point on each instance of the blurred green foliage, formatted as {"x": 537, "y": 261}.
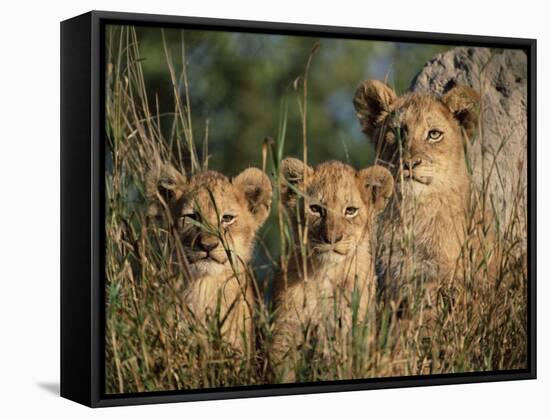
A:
{"x": 237, "y": 81}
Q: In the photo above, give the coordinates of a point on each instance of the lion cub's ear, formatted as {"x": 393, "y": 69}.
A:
{"x": 376, "y": 184}
{"x": 257, "y": 191}
{"x": 293, "y": 172}
{"x": 464, "y": 102}
{"x": 164, "y": 184}
{"x": 372, "y": 103}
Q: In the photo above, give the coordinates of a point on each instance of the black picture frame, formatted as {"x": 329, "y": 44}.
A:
{"x": 82, "y": 207}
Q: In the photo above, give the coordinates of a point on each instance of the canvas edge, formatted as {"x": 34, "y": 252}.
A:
{"x": 76, "y": 200}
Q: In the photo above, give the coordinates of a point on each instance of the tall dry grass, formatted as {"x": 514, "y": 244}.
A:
{"x": 152, "y": 345}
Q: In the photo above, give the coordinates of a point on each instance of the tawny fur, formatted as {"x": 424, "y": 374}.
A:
{"x": 422, "y": 140}
{"x": 316, "y": 303}
{"x": 215, "y": 220}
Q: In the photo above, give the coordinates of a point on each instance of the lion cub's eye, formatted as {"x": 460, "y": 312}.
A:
{"x": 434, "y": 135}
{"x": 351, "y": 212}
{"x": 316, "y": 209}
{"x": 399, "y": 133}
{"x": 228, "y": 219}
{"x": 190, "y": 216}
{"x": 185, "y": 218}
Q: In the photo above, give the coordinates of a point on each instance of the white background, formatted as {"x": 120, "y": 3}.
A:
{"x": 29, "y": 205}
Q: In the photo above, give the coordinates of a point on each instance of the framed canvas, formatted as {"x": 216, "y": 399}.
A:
{"x": 254, "y": 209}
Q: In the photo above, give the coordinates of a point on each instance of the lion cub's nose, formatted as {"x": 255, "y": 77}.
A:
{"x": 411, "y": 164}
{"x": 208, "y": 244}
{"x": 331, "y": 238}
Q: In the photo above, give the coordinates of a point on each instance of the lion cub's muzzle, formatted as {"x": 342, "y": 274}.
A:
{"x": 342, "y": 246}
{"x": 415, "y": 170}
{"x": 207, "y": 248}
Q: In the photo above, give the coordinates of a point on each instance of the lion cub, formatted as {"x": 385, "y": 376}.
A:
{"x": 215, "y": 220}
{"x": 316, "y": 302}
{"x": 424, "y": 139}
